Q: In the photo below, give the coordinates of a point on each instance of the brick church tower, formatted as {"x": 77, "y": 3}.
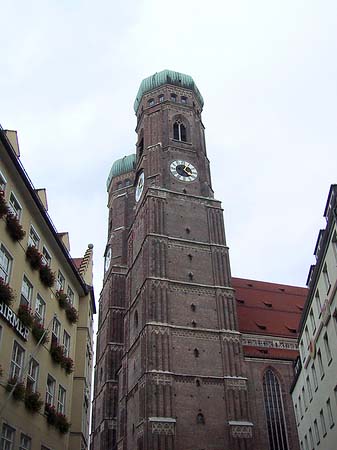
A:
{"x": 170, "y": 365}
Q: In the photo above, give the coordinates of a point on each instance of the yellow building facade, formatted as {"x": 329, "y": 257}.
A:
{"x": 46, "y": 320}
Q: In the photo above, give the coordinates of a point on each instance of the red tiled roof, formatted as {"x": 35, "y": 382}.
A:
{"x": 268, "y": 308}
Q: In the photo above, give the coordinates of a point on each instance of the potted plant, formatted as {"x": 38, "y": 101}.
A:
{"x": 6, "y": 293}
{"x": 62, "y": 423}
{"x": 51, "y": 414}
{"x": 67, "y": 364}
{"x": 25, "y": 315}
{"x": 3, "y": 205}
{"x": 62, "y": 299}
{"x": 34, "y": 257}
{"x": 38, "y": 331}
{"x": 19, "y": 389}
{"x": 56, "y": 352}
{"x": 14, "y": 227}
{"x": 33, "y": 401}
{"x": 72, "y": 314}
{"x": 47, "y": 277}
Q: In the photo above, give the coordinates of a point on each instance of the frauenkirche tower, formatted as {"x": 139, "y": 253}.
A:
{"x": 169, "y": 371}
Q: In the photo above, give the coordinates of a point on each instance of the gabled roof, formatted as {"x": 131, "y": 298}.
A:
{"x": 268, "y": 308}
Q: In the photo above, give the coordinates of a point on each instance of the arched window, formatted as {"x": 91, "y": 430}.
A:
{"x": 200, "y": 419}
{"x": 140, "y": 146}
{"x": 179, "y": 131}
{"x": 273, "y": 403}
{"x": 196, "y": 352}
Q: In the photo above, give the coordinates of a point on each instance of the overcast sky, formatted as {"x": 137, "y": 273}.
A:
{"x": 267, "y": 70}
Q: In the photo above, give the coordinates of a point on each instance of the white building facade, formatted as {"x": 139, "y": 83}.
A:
{"x": 314, "y": 391}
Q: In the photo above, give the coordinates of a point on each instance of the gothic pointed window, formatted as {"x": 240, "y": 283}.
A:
{"x": 274, "y": 408}
{"x": 179, "y": 131}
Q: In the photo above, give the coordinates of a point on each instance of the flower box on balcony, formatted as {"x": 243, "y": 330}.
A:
{"x": 6, "y": 293}
{"x": 47, "y": 277}
{"x": 62, "y": 423}
{"x": 38, "y": 331}
{"x": 25, "y": 315}
{"x": 19, "y": 389}
{"x": 72, "y": 314}
{"x": 68, "y": 364}
{"x": 34, "y": 257}
{"x": 56, "y": 352}
{"x": 14, "y": 227}
{"x": 33, "y": 401}
{"x": 62, "y": 299}
{"x": 51, "y": 414}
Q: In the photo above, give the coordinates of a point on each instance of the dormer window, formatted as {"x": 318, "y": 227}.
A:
{"x": 173, "y": 98}
{"x": 151, "y": 102}
{"x": 179, "y": 131}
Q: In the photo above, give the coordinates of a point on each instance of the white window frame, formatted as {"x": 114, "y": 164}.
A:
{"x": 6, "y": 263}
{"x": 70, "y": 295}
{"x": 318, "y": 303}
{"x": 318, "y": 438}
{"x": 311, "y": 439}
{"x": 314, "y": 376}
{"x": 50, "y": 394}
{"x": 38, "y": 302}
{"x": 26, "y": 298}
{"x": 25, "y": 442}
{"x": 61, "y": 400}
{"x": 330, "y": 415}
{"x": 46, "y": 256}
{"x": 327, "y": 348}
{"x": 33, "y": 238}
{"x": 15, "y": 206}
{"x": 56, "y": 329}
{"x": 33, "y": 374}
{"x": 323, "y": 424}
{"x": 3, "y": 182}
{"x": 60, "y": 282}
{"x": 312, "y": 320}
{"x": 309, "y": 388}
{"x": 6, "y": 438}
{"x": 320, "y": 364}
{"x": 334, "y": 245}
{"x": 66, "y": 343}
{"x": 326, "y": 278}
{"x": 17, "y": 361}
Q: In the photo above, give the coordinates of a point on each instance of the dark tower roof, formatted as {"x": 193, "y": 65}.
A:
{"x": 167, "y": 77}
{"x": 121, "y": 166}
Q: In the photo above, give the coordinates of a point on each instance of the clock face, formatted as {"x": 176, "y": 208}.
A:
{"x": 107, "y": 259}
{"x": 183, "y": 170}
{"x": 140, "y": 186}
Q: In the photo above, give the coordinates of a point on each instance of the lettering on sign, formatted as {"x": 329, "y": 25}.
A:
{"x": 9, "y": 315}
{"x": 270, "y": 343}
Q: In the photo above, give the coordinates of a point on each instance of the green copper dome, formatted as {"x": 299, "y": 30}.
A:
{"x": 122, "y": 165}
{"x": 166, "y": 77}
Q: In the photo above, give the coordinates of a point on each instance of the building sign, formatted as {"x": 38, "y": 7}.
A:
{"x": 9, "y": 315}
{"x": 269, "y": 343}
